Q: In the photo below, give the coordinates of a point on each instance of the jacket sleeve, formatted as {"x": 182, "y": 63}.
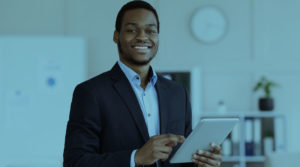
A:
{"x": 82, "y": 141}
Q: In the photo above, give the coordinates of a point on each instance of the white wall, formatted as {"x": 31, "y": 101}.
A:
{"x": 262, "y": 38}
{"x": 32, "y": 17}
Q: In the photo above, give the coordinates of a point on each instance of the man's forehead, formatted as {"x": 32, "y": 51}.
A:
{"x": 139, "y": 16}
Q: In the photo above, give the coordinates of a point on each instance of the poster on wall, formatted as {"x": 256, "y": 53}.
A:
{"x": 38, "y": 76}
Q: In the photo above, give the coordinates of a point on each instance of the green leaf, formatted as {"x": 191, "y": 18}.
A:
{"x": 258, "y": 85}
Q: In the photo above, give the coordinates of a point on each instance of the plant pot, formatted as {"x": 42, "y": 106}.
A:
{"x": 266, "y": 104}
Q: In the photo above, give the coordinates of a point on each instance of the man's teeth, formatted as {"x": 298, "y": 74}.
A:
{"x": 141, "y": 47}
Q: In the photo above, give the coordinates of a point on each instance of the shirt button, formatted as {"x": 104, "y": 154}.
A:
{"x": 149, "y": 115}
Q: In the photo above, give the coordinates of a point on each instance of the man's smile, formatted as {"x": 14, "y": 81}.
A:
{"x": 142, "y": 48}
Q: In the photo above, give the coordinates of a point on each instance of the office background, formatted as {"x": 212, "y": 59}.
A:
{"x": 262, "y": 38}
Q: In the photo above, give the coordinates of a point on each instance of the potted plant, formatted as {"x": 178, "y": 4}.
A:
{"x": 266, "y": 103}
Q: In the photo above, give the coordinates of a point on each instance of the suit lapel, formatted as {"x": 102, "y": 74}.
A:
{"x": 124, "y": 89}
{"x": 162, "y": 94}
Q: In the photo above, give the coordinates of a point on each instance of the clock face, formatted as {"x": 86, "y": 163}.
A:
{"x": 208, "y": 24}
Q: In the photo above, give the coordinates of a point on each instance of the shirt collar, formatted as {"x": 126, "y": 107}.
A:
{"x": 133, "y": 76}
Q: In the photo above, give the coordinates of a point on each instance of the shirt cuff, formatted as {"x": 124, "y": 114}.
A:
{"x": 132, "y": 162}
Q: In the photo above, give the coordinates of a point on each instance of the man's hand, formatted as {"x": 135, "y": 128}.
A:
{"x": 205, "y": 158}
{"x": 157, "y": 148}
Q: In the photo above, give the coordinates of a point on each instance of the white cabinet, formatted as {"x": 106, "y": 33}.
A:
{"x": 258, "y": 125}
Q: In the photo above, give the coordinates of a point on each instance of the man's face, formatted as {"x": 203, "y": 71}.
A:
{"x": 138, "y": 38}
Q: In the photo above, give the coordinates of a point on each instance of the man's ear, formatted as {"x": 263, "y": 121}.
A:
{"x": 116, "y": 37}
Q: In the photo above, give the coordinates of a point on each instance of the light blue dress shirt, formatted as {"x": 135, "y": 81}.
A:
{"x": 147, "y": 99}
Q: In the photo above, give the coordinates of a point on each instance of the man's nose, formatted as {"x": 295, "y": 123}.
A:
{"x": 141, "y": 36}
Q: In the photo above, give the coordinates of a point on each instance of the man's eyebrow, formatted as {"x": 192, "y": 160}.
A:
{"x": 135, "y": 24}
{"x": 152, "y": 25}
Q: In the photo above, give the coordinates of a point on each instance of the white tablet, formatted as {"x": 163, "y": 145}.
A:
{"x": 207, "y": 130}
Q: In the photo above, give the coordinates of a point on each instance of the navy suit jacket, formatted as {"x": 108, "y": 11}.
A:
{"x": 106, "y": 122}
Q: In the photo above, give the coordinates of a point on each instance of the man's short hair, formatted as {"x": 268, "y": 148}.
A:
{"x": 136, "y": 4}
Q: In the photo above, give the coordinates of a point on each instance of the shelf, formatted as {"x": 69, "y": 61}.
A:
{"x": 257, "y": 114}
{"x": 243, "y": 158}
{"x": 230, "y": 158}
{"x": 255, "y": 159}
{"x": 265, "y": 121}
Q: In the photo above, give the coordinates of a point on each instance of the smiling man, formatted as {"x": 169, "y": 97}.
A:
{"x": 130, "y": 116}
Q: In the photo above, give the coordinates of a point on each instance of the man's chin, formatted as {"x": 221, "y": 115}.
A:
{"x": 138, "y": 60}
{"x": 141, "y": 63}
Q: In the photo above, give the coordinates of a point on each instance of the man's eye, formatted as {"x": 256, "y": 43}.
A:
{"x": 151, "y": 31}
{"x": 131, "y": 30}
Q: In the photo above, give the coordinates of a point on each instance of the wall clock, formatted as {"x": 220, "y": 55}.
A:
{"x": 208, "y": 24}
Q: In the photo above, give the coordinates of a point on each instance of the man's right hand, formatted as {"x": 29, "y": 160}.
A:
{"x": 157, "y": 148}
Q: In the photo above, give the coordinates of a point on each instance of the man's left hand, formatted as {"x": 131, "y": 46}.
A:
{"x": 208, "y": 158}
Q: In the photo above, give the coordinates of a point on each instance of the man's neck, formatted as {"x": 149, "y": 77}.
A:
{"x": 142, "y": 70}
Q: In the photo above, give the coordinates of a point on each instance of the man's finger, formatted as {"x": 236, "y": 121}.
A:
{"x": 216, "y": 148}
{"x": 167, "y": 138}
{"x": 200, "y": 163}
{"x": 209, "y": 155}
{"x": 161, "y": 156}
{"x": 164, "y": 149}
{"x": 171, "y": 144}
{"x": 205, "y": 160}
{"x": 170, "y": 135}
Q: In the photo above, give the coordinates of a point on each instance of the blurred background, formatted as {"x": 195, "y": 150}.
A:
{"x": 47, "y": 47}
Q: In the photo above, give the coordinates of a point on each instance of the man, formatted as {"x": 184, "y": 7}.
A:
{"x": 129, "y": 116}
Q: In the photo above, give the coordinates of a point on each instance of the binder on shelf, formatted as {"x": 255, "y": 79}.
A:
{"x": 235, "y": 138}
{"x": 279, "y": 135}
{"x": 257, "y": 137}
{"x": 249, "y": 145}
{"x": 227, "y": 147}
